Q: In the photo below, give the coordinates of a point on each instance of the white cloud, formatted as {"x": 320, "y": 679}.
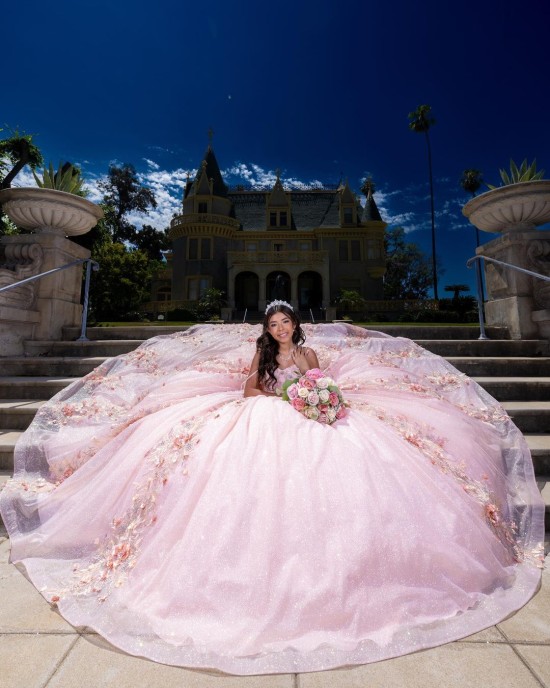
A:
{"x": 152, "y": 164}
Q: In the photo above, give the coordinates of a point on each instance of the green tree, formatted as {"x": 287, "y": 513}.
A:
{"x": 350, "y": 299}
{"x": 16, "y": 151}
{"x": 210, "y": 304}
{"x": 420, "y": 122}
{"x": 123, "y": 194}
{"x": 408, "y": 270}
{"x": 152, "y": 241}
{"x": 122, "y": 282}
{"x": 471, "y": 182}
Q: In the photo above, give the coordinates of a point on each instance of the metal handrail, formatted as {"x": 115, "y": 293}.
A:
{"x": 90, "y": 265}
{"x": 469, "y": 264}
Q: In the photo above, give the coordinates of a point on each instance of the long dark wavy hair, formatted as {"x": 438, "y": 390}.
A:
{"x": 268, "y": 347}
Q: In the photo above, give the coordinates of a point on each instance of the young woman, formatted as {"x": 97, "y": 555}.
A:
{"x": 154, "y": 504}
{"x": 280, "y": 353}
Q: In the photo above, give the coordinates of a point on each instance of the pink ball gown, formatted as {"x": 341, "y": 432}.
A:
{"x": 184, "y": 523}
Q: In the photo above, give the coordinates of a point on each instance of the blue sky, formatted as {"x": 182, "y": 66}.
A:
{"x": 318, "y": 89}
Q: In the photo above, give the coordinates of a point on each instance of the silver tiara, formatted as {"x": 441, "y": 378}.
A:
{"x": 277, "y": 303}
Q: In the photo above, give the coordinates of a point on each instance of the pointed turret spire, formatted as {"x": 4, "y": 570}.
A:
{"x": 210, "y": 170}
{"x": 370, "y": 211}
{"x": 278, "y": 197}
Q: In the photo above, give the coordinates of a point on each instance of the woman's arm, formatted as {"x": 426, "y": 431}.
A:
{"x": 305, "y": 358}
{"x": 252, "y": 386}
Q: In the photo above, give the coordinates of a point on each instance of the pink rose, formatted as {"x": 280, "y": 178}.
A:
{"x": 333, "y": 399}
{"x": 314, "y": 374}
{"x": 307, "y": 383}
{"x": 323, "y": 418}
{"x": 341, "y": 412}
{"x": 323, "y": 408}
{"x": 313, "y": 398}
{"x": 292, "y": 391}
{"x": 298, "y": 404}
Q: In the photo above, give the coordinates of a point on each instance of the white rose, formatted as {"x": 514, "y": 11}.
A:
{"x": 303, "y": 392}
{"x": 323, "y": 382}
{"x": 331, "y": 415}
{"x": 324, "y": 395}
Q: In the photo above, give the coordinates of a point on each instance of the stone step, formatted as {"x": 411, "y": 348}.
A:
{"x": 442, "y": 347}
{"x": 409, "y": 331}
{"x": 485, "y": 347}
{"x": 8, "y": 438}
{"x": 529, "y": 416}
{"x": 123, "y": 332}
{"x": 21, "y": 387}
{"x": 45, "y": 366}
{"x": 516, "y": 388}
{"x": 17, "y": 414}
{"x": 505, "y": 366}
{"x": 105, "y": 347}
{"x": 39, "y": 387}
{"x": 474, "y": 366}
{"x": 540, "y": 452}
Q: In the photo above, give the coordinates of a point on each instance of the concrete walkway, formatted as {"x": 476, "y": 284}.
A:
{"x": 38, "y": 649}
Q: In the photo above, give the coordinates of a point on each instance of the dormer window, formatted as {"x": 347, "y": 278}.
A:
{"x": 278, "y": 219}
{"x": 348, "y": 216}
{"x": 203, "y": 207}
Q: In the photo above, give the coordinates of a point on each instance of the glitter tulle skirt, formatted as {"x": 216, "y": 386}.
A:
{"x": 154, "y": 504}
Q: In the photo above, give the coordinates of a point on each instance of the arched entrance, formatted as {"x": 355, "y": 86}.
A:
{"x": 310, "y": 290}
{"x": 277, "y": 286}
{"x": 247, "y": 290}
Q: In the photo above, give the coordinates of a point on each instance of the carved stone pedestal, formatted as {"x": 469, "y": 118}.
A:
{"x": 40, "y": 309}
{"x": 514, "y": 297}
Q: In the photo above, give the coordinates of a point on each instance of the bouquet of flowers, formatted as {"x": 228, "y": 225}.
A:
{"x": 315, "y": 396}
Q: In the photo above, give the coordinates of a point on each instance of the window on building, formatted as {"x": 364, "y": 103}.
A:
{"x": 164, "y": 294}
{"x": 251, "y": 246}
{"x": 203, "y": 207}
{"x": 373, "y": 250}
{"x": 349, "y": 249}
{"x": 279, "y": 218}
{"x": 199, "y": 249}
{"x": 196, "y": 286}
{"x": 304, "y": 245}
{"x": 192, "y": 249}
{"x": 278, "y": 247}
{"x": 355, "y": 249}
{"x": 348, "y": 216}
{"x": 343, "y": 250}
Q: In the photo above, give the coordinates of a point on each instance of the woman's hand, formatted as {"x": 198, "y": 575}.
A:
{"x": 305, "y": 358}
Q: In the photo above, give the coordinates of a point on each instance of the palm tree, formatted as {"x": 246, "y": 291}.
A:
{"x": 470, "y": 182}
{"x": 421, "y": 121}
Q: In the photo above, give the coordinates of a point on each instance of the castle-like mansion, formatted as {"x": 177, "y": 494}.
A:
{"x": 302, "y": 246}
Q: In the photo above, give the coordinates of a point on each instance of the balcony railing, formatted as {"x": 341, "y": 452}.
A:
{"x": 250, "y": 257}
{"x": 203, "y": 218}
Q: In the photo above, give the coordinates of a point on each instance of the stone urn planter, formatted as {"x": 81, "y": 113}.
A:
{"x": 50, "y": 211}
{"x": 515, "y": 207}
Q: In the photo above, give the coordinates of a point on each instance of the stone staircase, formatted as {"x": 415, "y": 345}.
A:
{"x": 517, "y": 373}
